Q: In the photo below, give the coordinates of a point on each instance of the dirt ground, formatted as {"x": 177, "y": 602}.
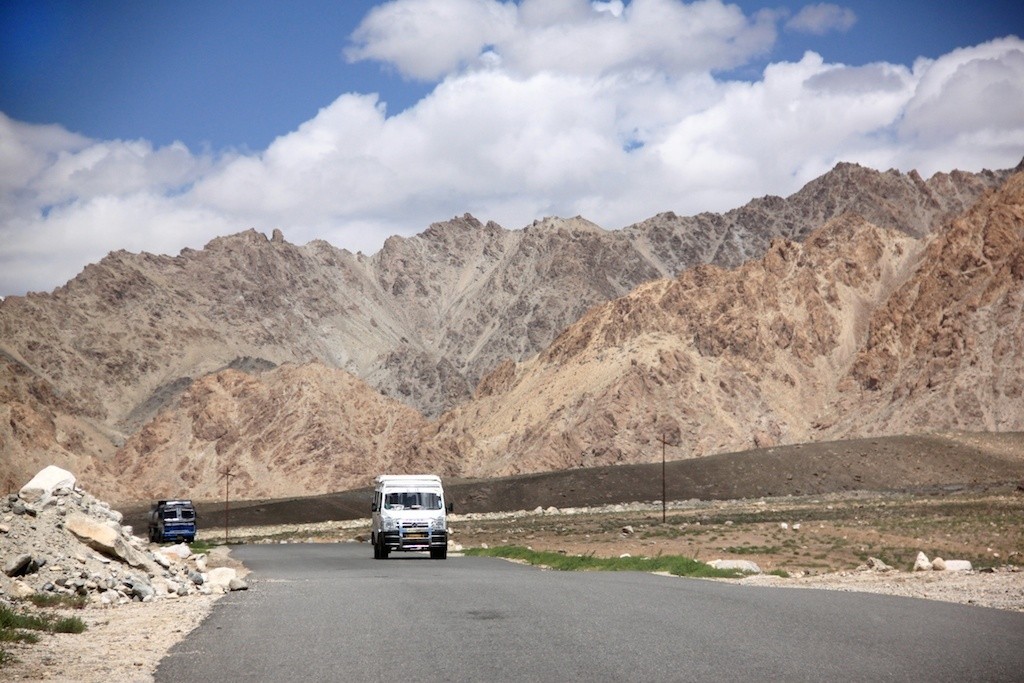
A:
{"x": 798, "y": 535}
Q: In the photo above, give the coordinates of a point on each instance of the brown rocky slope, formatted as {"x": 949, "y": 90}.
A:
{"x": 294, "y": 428}
{"x": 859, "y": 330}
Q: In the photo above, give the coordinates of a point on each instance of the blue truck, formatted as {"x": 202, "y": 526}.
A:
{"x": 172, "y": 520}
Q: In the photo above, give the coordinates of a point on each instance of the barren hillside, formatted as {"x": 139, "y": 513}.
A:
{"x": 295, "y": 428}
{"x": 859, "y": 330}
{"x": 947, "y": 349}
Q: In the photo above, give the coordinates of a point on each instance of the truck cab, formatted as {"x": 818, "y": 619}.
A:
{"x": 172, "y": 520}
{"x": 409, "y": 513}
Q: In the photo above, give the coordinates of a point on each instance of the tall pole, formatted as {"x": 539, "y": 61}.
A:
{"x": 227, "y": 474}
{"x": 664, "y": 495}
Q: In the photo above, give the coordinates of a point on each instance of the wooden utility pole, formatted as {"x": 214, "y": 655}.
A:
{"x": 664, "y": 495}
{"x": 226, "y": 473}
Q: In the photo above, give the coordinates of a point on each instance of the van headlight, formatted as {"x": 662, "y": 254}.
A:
{"x": 437, "y": 523}
{"x": 388, "y": 523}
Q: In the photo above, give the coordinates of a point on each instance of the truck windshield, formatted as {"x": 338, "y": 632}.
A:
{"x": 412, "y": 500}
{"x": 179, "y": 513}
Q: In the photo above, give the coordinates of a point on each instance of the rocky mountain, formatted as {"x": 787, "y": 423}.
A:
{"x": 859, "y": 330}
{"x": 947, "y": 348}
{"x": 88, "y": 368}
{"x": 293, "y": 428}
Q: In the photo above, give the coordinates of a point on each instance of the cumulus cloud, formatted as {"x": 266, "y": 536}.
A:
{"x": 428, "y": 39}
{"x": 821, "y": 19}
{"x": 616, "y": 138}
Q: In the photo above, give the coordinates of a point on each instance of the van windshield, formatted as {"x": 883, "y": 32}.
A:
{"x": 412, "y": 500}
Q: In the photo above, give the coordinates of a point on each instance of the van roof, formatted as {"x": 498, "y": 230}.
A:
{"x": 411, "y": 478}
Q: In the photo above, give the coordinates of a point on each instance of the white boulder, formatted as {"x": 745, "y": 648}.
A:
{"x": 220, "y": 578}
{"x": 45, "y": 484}
{"x": 958, "y": 566}
{"x": 181, "y": 551}
{"x": 745, "y": 566}
{"x": 922, "y": 563}
{"x": 161, "y": 559}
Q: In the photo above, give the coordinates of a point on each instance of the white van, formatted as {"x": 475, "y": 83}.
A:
{"x": 409, "y": 513}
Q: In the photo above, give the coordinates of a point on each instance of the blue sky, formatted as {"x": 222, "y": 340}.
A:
{"x": 157, "y": 126}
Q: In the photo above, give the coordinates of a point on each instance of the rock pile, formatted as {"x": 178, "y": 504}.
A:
{"x": 56, "y": 538}
{"x": 922, "y": 563}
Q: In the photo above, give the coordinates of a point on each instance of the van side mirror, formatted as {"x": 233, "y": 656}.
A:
{"x": 373, "y": 507}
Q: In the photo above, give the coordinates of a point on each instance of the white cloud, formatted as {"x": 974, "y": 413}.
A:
{"x": 967, "y": 91}
{"x": 821, "y": 19}
{"x": 427, "y": 39}
{"x": 617, "y": 139}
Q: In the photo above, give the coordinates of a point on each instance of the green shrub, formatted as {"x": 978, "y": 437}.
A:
{"x": 17, "y": 626}
{"x": 198, "y": 547}
{"x": 68, "y": 625}
{"x": 58, "y": 600}
{"x": 671, "y": 564}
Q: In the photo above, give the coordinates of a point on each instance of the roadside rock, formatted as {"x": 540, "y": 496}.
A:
{"x": 220, "y": 578}
{"x": 94, "y": 533}
{"x": 223, "y": 580}
{"x": 958, "y": 566}
{"x": 876, "y": 565}
{"x": 18, "y": 565}
{"x": 745, "y": 566}
{"x": 922, "y": 563}
{"x": 49, "y": 481}
{"x": 69, "y": 543}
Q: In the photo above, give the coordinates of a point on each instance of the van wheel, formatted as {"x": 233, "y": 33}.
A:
{"x": 376, "y": 551}
{"x": 439, "y": 553}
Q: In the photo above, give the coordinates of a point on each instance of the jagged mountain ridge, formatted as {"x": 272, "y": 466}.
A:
{"x": 421, "y": 320}
{"x": 858, "y": 331}
{"x": 424, "y": 318}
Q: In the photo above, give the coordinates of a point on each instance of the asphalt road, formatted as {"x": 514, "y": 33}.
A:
{"x": 332, "y": 613}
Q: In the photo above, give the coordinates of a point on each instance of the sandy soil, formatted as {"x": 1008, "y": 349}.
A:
{"x": 124, "y": 643}
{"x": 121, "y": 643}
